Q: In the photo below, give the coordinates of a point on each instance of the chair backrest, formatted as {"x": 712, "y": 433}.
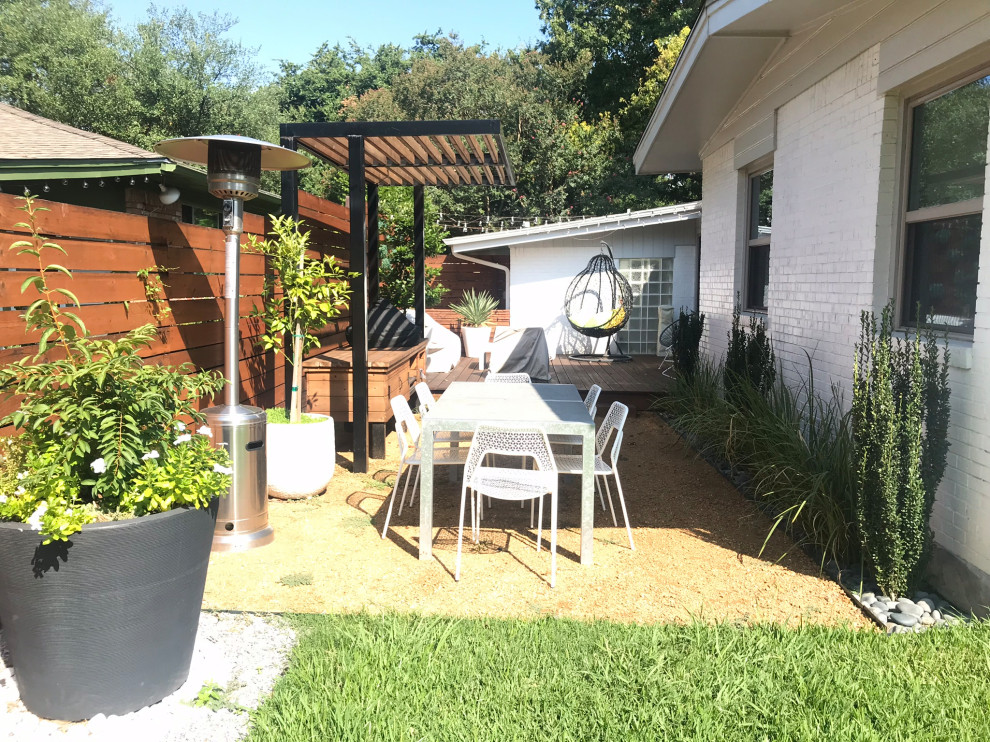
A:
{"x": 504, "y": 440}
{"x": 614, "y": 420}
{"x": 591, "y": 399}
{"x": 425, "y": 397}
{"x": 514, "y": 378}
{"x": 406, "y": 427}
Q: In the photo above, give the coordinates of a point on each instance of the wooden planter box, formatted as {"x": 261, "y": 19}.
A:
{"x": 328, "y": 385}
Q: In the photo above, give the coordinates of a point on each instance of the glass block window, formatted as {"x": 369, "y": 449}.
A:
{"x": 652, "y": 281}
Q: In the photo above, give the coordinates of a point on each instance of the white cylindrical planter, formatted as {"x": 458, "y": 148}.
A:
{"x": 301, "y": 458}
{"x": 476, "y": 342}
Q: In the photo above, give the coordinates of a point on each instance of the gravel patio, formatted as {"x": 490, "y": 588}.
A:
{"x": 697, "y": 554}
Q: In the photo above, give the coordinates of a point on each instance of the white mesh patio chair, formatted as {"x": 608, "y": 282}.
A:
{"x": 485, "y": 474}
{"x": 605, "y": 467}
{"x": 591, "y": 402}
{"x": 513, "y": 378}
{"x": 407, "y": 430}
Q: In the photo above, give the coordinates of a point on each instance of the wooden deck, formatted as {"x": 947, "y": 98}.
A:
{"x": 635, "y": 383}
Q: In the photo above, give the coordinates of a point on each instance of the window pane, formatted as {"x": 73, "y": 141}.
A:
{"x": 942, "y": 259}
{"x": 949, "y": 146}
{"x": 758, "y": 277}
{"x": 761, "y": 205}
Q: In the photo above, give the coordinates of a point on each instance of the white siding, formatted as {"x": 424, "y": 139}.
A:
{"x": 834, "y": 252}
{"x": 542, "y": 271}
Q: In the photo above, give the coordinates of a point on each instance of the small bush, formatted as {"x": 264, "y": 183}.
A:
{"x": 749, "y": 359}
{"x": 686, "y": 342}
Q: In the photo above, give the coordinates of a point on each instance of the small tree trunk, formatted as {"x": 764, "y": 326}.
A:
{"x": 295, "y": 400}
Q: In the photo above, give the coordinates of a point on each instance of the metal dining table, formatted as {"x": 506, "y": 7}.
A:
{"x": 556, "y": 408}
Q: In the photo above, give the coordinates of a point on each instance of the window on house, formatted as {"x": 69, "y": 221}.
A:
{"x": 201, "y": 217}
{"x": 758, "y": 243}
{"x": 944, "y": 216}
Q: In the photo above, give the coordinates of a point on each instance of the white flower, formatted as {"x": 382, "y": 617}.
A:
{"x": 3, "y": 499}
{"x": 222, "y": 469}
{"x": 22, "y": 475}
{"x": 19, "y": 491}
{"x": 99, "y": 466}
{"x": 180, "y": 426}
{"x": 150, "y": 455}
{"x": 183, "y": 438}
{"x": 35, "y": 520}
{"x": 205, "y": 430}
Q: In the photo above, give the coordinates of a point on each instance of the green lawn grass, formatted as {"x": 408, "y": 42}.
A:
{"x": 397, "y": 677}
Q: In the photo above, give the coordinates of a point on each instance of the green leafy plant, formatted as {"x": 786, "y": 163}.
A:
{"x": 212, "y": 696}
{"x": 686, "y": 343}
{"x": 301, "y": 294}
{"x": 476, "y": 308}
{"x": 100, "y": 433}
{"x": 749, "y": 359}
{"x": 154, "y": 291}
{"x": 900, "y": 424}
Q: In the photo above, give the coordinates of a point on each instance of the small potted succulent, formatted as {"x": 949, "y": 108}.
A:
{"x": 475, "y": 311}
{"x": 303, "y": 294}
{"x": 107, "y": 507}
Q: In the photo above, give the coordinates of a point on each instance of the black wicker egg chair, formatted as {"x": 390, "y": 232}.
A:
{"x": 597, "y": 305}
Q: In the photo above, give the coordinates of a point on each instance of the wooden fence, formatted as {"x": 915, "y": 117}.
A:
{"x": 105, "y": 250}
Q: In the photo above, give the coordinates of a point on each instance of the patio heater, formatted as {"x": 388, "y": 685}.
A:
{"x": 233, "y": 173}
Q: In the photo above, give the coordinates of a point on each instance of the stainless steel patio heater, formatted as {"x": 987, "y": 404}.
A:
{"x": 233, "y": 173}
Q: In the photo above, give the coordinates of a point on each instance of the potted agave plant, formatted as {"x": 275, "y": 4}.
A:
{"x": 107, "y": 509}
{"x": 475, "y": 311}
{"x": 302, "y": 294}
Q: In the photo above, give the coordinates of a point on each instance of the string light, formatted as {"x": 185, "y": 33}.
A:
{"x": 46, "y": 188}
{"x": 85, "y": 184}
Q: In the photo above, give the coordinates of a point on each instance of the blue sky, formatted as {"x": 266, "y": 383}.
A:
{"x": 294, "y": 29}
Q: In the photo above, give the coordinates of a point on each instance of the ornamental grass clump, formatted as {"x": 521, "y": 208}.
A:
{"x": 686, "y": 343}
{"x": 900, "y": 426}
{"x": 99, "y": 434}
{"x": 475, "y": 309}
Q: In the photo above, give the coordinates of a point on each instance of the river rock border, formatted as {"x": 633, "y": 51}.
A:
{"x": 236, "y": 661}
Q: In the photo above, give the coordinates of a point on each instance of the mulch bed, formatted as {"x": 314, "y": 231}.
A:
{"x": 698, "y": 552}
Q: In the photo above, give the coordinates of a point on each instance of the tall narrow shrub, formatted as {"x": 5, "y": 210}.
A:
{"x": 900, "y": 423}
{"x": 749, "y": 359}
{"x": 686, "y": 342}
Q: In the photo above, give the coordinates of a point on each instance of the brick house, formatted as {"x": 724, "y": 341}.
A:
{"x": 843, "y": 148}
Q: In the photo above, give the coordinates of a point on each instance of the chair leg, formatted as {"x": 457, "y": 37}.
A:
{"x": 622, "y": 503}
{"x": 405, "y": 487}
{"x": 391, "y": 500}
{"x": 598, "y": 489}
{"x": 553, "y": 537}
{"x": 460, "y": 536}
{"x": 608, "y": 491}
{"x": 539, "y": 532}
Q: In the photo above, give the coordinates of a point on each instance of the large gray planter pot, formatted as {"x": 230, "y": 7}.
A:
{"x": 106, "y": 622}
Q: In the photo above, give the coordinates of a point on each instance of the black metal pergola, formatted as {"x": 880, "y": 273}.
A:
{"x": 392, "y": 153}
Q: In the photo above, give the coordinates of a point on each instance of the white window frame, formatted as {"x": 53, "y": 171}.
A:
{"x": 752, "y": 178}
{"x": 970, "y": 207}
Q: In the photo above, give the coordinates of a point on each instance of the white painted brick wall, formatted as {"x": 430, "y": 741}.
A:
{"x": 834, "y": 170}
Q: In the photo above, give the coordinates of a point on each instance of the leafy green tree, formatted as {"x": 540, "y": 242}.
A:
{"x": 62, "y": 59}
{"x": 397, "y": 249}
{"x": 613, "y": 40}
{"x": 189, "y": 79}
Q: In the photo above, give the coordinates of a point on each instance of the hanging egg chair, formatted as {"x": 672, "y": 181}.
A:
{"x": 597, "y": 304}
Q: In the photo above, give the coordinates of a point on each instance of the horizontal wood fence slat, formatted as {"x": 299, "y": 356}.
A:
{"x": 105, "y": 250}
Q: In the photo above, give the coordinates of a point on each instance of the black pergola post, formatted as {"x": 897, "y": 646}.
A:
{"x": 359, "y": 301}
{"x": 419, "y": 240}
{"x": 374, "y": 282}
{"x": 290, "y": 207}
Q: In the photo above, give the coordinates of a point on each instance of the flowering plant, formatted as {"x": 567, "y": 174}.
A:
{"x": 99, "y": 432}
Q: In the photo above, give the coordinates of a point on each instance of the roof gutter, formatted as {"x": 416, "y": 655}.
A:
{"x": 490, "y": 264}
